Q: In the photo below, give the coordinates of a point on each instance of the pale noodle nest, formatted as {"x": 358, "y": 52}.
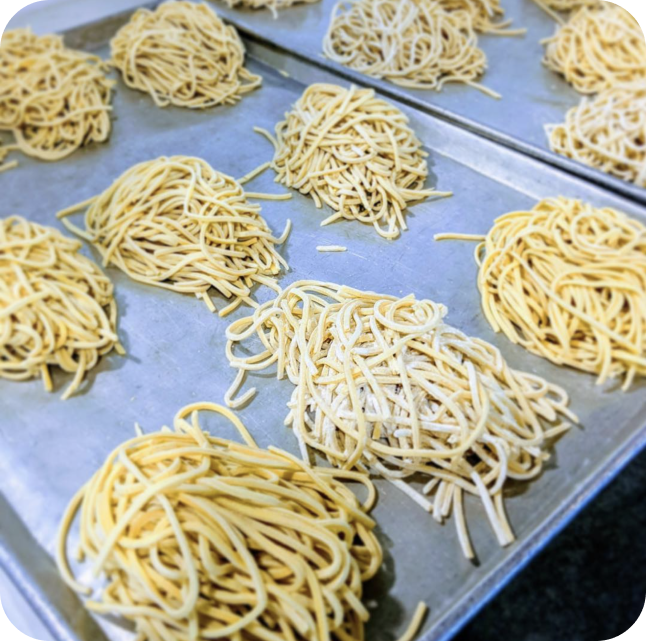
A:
{"x": 52, "y": 99}
{"x": 200, "y": 537}
{"x": 567, "y": 281}
{"x": 598, "y": 48}
{"x": 272, "y": 5}
{"x": 179, "y": 224}
{"x": 183, "y": 54}
{"x": 354, "y": 152}
{"x": 384, "y": 384}
{"x": 412, "y": 43}
{"x": 483, "y": 15}
{"x": 607, "y": 132}
{"x": 56, "y": 306}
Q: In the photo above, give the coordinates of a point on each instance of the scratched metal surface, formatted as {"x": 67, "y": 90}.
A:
{"x": 532, "y": 95}
{"x": 48, "y": 448}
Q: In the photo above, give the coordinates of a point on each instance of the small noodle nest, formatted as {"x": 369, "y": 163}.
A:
{"x": 483, "y": 15}
{"x": 607, "y": 133}
{"x": 183, "y": 54}
{"x": 56, "y": 306}
{"x": 272, "y": 5}
{"x": 598, "y": 48}
{"x": 412, "y": 43}
{"x": 569, "y": 5}
{"x": 355, "y": 153}
{"x": 384, "y": 385}
{"x": 205, "y": 538}
{"x": 179, "y": 224}
{"x": 53, "y": 99}
{"x": 567, "y": 281}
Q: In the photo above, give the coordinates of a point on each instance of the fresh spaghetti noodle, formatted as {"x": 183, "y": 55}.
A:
{"x": 183, "y": 54}
{"x": 598, "y": 48}
{"x": 567, "y": 281}
{"x": 52, "y": 99}
{"x": 205, "y": 538}
{"x": 272, "y": 5}
{"x": 355, "y": 153}
{"x": 56, "y": 306}
{"x": 412, "y": 43}
{"x": 382, "y": 384}
{"x": 179, "y": 224}
{"x": 607, "y": 132}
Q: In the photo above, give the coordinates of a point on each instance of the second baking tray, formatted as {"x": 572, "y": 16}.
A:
{"x": 532, "y": 95}
{"x": 48, "y": 448}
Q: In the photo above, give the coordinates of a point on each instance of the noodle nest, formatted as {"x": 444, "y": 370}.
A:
{"x": 205, "y": 538}
{"x": 384, "y": 385}
{"x": 183, "y": 54}
{"x": 56, "y": 306}
{"x": 272, "y": 5}
{"x": 483, "y": 15}
{"x": 354, "y": 152}
{"x": 179, "y": 224}
{"x": 52, "y": 99}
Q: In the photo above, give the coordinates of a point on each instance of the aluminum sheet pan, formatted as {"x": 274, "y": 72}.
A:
{"x": 48, "y": 448}
{"x": 532, "y": 94}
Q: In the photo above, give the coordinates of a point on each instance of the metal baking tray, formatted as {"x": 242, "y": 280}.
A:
{"x": 48, "y": 447}
{"x": 532, "y": 95}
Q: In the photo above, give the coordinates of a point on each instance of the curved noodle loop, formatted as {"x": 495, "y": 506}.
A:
{"x": 53, "y": 99}
{"x": 354, "y": 152}
{"x": 599, "y": 47}
{"x": 183, "y": 54}
{"x": 56, "y": 306}
{"x": 205, "y": 538}
{"x": 179, "y": 224}
{"x": 384, "y": 384}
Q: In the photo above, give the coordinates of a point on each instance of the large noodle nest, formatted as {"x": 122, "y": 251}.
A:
{"x": 183, "y": 54}
{"x": 412, "y": 43}
{"x": 598, "y": 48}
{"x": 567, "y": 281}
{"x": 179, "y": 224}
{"x": 607, "y": 132}
{"x": 384, "y": 384}
{"x": 201, "y": 537}
{"x": 272, "y": 5}
{"x": 56, "y": 306}
{"x": 52, "y": 99}
{"x": 354, "y": 152}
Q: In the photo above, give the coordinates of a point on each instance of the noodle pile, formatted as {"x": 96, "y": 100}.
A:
{"x": 272, "y": 5}
{"x": 384, "y": 385}
{"x": 52, "y": 99}
{"x": 355, "y": 153}
{"x": 56, "y": 306}
{"x": 204, "y": 538}
{"x": 483, "y": 15}
{"x": 412, "y": 43}
{"x": 598, "y": 48}
{"x": 607, "y": 133}
{"x": 551, "y": 6}
{"x": 567, "y": 281}
{"x": 179, "y": 224}
{"x": 183, "y": 54}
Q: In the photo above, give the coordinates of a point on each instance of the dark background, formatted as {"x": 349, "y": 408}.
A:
{"x": 589, "y": 584}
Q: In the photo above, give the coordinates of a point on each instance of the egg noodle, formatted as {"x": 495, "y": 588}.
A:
{"x": 552, "y": 6}
{"x": 599, "y": 47}
{"x": 179, "y": 224}
{"x": 607, "y": 132}
{"x": 56, "y": 306}
{"x": 272, "y": 5}
{"x": 483, "y": 15}
{"x": 52, "y": 99}
{"x": 183, "y": 54}
{"x": 384, "y": 385}
{"x": 354, "y": 152}
{"x": 567, "y": 281}
{"x": 412, "y": 43}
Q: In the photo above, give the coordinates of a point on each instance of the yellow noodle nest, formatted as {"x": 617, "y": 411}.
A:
{"x": 272, "y": 5}
{"x": 384, "y": 385}
{"x": 483, "y": 15}
{"x": 52, "y": 99}
{"x": 56, "y": 306}
{"x": 598, "y": 48}
{"x": 412, "y": 43}
{"x": 183, "y": 54}
{"x": 607, "y": 132}
{"x": 205, "y": 538}
{"x": 355, "y": 153}
{"x": 567, "y": 281}
{"x": 179, "y": 224}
